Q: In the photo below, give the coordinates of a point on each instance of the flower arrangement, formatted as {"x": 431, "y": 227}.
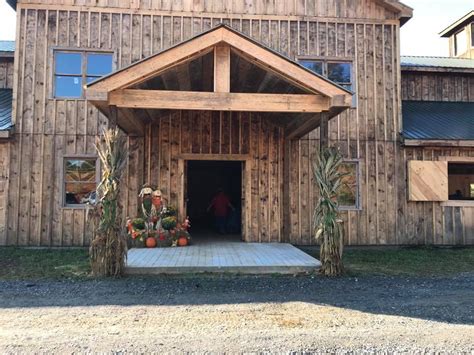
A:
{"x": 158, "y": 226}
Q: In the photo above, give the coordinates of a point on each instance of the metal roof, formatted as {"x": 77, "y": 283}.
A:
{"x": 6, "y": 99}
{"x": 436, "y": 62}
{"x": 7, "y": 46}
{"x": 435, "y": 120}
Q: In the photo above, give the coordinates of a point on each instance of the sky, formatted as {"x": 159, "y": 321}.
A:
{"x": 419, "y": 35}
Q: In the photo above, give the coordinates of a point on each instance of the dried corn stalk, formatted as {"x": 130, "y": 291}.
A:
{"x": 108, "y": 249}
{"x": 328, "y": 227}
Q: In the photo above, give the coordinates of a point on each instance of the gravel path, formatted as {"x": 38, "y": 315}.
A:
{"x": 238, "y": 314}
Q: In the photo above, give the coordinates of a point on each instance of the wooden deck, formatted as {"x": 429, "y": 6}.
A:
{"x": 222, "y": 257}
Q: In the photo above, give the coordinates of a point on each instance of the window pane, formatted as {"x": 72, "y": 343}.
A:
{"x": 99, "y": 64}
{"x": 315, "y": 66}
{"x": 68, "y": 63}
{"x": 339, "y": 72}
{"x": 349, "y": 191}
{"x": 461, "y": 42}
{"x": 68, "y": 86}
{"x": 461, "y": 181}
{"x": 80, "y": 180}
{"x": 90, "y": 79}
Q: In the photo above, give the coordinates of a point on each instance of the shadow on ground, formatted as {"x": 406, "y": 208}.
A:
{"x": 448, "y": 300}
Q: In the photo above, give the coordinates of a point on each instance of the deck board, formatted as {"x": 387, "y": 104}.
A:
{"x": 222, "y": 257}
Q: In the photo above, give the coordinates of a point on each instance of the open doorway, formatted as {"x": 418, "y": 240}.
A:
{"x": 205, "y": 180}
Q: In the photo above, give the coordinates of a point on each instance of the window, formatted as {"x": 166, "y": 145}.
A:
{"x": 73, "y": 70}
{"x": 349, "y": 195}
{"x": 472, "y": 34}
{"x": 80, "y": 180}
{"x": 460, "y": 42}
{"x": 461, "y": 181}
{"x": 338, "y": 72}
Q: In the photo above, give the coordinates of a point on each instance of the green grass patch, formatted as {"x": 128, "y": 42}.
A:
{"x": 407, "y": 261}
{"x": 32, "y": 264}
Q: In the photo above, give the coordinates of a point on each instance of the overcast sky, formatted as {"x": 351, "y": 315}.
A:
{"x": 419, "y": 35}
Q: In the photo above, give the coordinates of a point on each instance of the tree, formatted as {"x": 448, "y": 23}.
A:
{"x": 328, "y": 227}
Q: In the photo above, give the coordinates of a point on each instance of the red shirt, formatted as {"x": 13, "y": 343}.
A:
{"x": 221, "y": 205}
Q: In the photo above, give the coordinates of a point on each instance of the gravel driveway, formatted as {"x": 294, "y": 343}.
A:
{"x": 238, "y": 314}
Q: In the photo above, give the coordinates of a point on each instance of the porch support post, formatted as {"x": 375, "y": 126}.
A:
{"x": 324, "y": 131}
{"x": 286, "y": 237}
{"x": 113, "y": 116}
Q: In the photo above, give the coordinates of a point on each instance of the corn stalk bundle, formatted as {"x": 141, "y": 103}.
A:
{"x": 108, "y": 250}
{"x": 328, "y": 227}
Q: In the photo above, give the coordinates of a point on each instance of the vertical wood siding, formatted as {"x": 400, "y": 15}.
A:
{"x": 6, "y": 73}
{"x": 431, "y": 222}
{"x": 47, "y": 128}
{"x": 192, "y": 132}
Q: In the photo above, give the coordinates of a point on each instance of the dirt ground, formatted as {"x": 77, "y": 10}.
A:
{"x": 238, "y": 314}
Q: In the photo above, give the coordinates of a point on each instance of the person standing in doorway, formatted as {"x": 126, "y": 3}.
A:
{"x": 221, "y": 205}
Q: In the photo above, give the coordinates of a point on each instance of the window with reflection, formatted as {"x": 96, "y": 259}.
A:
{"x": 349, "y": 193}
{"x": 80, "y": 181}
{"x": 73, "y": 70}
{"x": 336, "y": 71}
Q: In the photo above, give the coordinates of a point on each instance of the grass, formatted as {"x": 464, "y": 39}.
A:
{"x": 34, "y": 264}
{"x": 407, "y": 261}
{"x": 27, "y": 264}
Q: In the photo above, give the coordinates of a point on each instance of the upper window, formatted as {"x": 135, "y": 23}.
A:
{"x": 460, "y": 42}
{"x": 349, "y": 194}
{"x": 73, "y": 70}
{"x": 461, "y": 181}
{"x": 338, "y": 72}
{"x": 472, "y": 34}
{"x": 80, "y": 180}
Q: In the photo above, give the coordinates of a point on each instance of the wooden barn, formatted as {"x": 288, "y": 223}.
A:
{"x": 238, "y": 94}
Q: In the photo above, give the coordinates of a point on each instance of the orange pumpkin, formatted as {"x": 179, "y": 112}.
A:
{"x": 151, "y": 242}
{"x": 182, "y": 241}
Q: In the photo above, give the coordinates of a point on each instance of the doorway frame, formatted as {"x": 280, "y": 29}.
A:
{"x": 246, "y": 159}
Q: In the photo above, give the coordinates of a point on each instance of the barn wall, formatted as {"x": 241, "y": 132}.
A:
{"x": 221, "y": 134}
{"x": 48, "y": 128}
{"x": 431, "y": 222}
{"x": 6, "y": 73}
{"x": 449, "y": 86}
{"x": 354, "y": 9}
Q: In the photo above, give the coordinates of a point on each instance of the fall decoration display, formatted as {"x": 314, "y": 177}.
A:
{"x": 158, "y": 222}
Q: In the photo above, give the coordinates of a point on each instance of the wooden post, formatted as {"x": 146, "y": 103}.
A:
{"x": 222, "y": 69}
{"x": 324, "y": 131}
{"x": 286, "y": 191}
{"x": 113, "y": 116}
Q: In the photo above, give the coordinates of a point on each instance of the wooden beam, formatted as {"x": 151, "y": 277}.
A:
{"x": 227, "y": 157}
{"x": 302, "y": 126}
{"x": 130, "y": 123}
{"x": 113, "y": 117}
{"x": 438, "y": 143}
{"x": 324, "y": 131}
{"x": 215, "y": 101}
{"x": 222, "y": 68}
{"x": 286, "y": 191}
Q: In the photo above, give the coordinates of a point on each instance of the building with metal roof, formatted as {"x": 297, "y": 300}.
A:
{"x": 434, "y": 120}
{"x": 426, "y": 62}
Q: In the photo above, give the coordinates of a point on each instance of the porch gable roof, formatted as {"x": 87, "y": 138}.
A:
{"x": 155, "y": 64}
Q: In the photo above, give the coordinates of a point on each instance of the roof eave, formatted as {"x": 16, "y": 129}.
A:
{"x": 436, "y": 69}
{"x": 405, "y": 12}
{"x": 12, "y": 3}
{"x": 451, "y": 29}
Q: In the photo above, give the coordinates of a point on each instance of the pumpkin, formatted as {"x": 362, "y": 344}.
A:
{"x": 182, "y": 241}
{"x": 151, "y": 242}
